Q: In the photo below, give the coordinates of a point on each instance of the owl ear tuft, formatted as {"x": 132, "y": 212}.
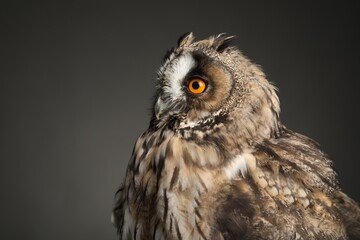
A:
{"x": 222, "y": 41}
{"x": 186, "y": 39}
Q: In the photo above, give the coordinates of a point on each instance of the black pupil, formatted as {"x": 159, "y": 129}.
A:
{"x": 196, "y": 85}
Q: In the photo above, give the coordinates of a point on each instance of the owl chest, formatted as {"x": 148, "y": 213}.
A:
{"x": 179, "y": 206}
{"x": 170, "y": 190}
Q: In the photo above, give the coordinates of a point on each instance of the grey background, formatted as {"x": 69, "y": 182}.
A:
{"x": 77, "y": 78}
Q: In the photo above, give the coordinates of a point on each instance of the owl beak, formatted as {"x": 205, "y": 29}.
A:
{"x": 159, "y": 108}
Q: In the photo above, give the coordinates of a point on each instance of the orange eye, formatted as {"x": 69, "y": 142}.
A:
{"x": 197, "y": 85}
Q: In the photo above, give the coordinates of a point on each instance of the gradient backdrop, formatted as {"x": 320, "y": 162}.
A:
{"x": 77, "y": 77}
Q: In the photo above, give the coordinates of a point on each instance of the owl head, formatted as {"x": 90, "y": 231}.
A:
{"x": 208, "y": 83}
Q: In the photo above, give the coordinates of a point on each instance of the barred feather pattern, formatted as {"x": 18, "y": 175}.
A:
{"x": 230, "y": 169}
{"x": 179, "y": 198}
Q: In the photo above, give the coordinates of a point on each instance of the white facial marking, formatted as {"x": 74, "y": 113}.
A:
{"x": 177, "y": 73}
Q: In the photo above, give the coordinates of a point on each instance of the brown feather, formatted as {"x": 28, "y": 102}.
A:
{"x": 220, "y": 165}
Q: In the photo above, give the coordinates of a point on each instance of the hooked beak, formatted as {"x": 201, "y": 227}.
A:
{"x": 159, "y": 108}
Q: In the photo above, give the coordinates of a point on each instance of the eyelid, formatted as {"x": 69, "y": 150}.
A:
{"x": 204, "y": 78}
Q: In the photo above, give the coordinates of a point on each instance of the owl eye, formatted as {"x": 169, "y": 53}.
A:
{"x": 197, "y": 85}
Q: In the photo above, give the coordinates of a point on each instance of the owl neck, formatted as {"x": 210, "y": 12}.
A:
{"x": 244, "y": 128}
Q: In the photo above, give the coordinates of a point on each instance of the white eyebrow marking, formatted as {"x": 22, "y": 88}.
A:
{"x": 177, "y": 73}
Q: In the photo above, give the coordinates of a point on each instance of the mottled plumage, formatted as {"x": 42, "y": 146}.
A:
{"x": 220, "y": 165}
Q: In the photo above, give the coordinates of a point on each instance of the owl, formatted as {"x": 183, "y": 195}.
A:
{"x": 216, "y": 162}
